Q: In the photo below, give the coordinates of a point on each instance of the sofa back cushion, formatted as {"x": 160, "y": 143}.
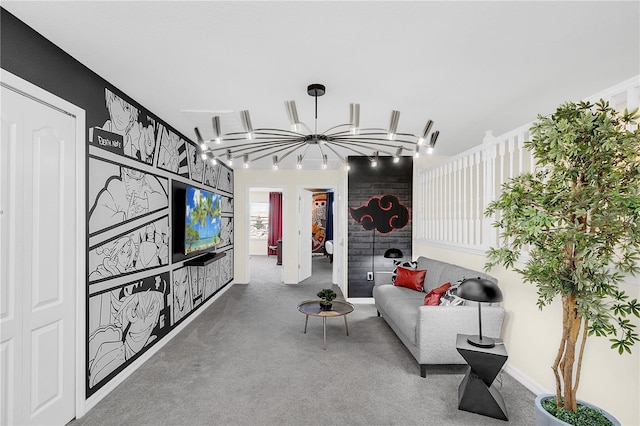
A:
{"x": 442, "y": 272}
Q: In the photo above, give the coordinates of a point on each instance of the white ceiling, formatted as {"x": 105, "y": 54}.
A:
{"x": 470, "y": 66}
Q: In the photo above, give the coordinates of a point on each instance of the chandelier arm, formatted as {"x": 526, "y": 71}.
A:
{"x": 352, "y": 150}
{"x": 283, "y": 132}
{"x": 275, "y": 152}
{"x": 363, "y": 146}
{"x": 335, "y": 127}
{"x": 379, "y": 142}
{"x": 294, "y": 149}
{"x": 243, "y": 147}
{"x": 344, "y": 161}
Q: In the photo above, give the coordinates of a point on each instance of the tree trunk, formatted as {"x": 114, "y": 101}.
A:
{"x": 566, "y": 358}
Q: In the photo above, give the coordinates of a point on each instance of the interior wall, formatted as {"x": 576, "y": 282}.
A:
{"x": 608, "y": 380}
{"x": 380, "y": 202}
{"x": 137, "y": 291}
{"x": 288, "y": 180}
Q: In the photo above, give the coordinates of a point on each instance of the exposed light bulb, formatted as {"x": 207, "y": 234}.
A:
{"x": 299, "y": 166}
{"x": 275, "y": 167}
{"x": 218, "y": 141}
{"x": 420, "y": 141}
{"x": 417, "y": 154}
{"x": 246, "y": 165}
{"x": 430, "y": 150}
{"x": 203, "y": 156}
{"x": 374, "y": 163}
{"x": 347, "y": 167}
{"x": 396, "y": 159}
{"x": 214, "y": 161}
{"x": 230, "y": 162}
{"x": 203, "y": 146}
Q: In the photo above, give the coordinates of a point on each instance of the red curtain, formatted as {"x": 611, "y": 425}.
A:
{"x": 275, "y": 221}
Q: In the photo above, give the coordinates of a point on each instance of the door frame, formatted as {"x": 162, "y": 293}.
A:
{"x": 19, "y": 85}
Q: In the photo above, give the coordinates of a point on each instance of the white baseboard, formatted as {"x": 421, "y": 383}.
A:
{"x": 525, "y": 380}
{"x": 112, "y": 384}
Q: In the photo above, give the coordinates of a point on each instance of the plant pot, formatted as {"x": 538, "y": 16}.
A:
{"x": 325, "y": 306}
{"x": 544, "y": 418}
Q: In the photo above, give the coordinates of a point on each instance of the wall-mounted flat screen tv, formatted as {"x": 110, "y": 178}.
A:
{"x": 202, "y": 225}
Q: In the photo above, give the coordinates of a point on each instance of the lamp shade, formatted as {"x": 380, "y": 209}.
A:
{"x": 479, "y": 290}
{"x": 393, "y": 253}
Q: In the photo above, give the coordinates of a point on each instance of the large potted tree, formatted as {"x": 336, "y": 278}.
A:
{"x": 572, "y": 228}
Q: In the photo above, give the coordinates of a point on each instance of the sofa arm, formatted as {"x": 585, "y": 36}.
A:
{"x": 438, "y": 327}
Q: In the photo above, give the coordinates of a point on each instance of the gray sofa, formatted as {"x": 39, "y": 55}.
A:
{"x": 429, "y": 332}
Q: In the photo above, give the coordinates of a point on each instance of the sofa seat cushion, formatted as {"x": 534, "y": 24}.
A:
{"x": 400, "y": 305}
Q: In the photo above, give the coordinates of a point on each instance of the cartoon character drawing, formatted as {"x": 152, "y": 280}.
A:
{"x": 135, "y": 321}
{"x": 172, "y": 155}
{"x": 226, "y": 232}
{"x": 147, "y": 143}
{"x": 210, "y": 173}
{"x": 153, "y": 249}
{"x": 123, "y": 120}
{"x": 144, "y": 248}
{"x": 132, "y": 194}
{"x": 318, "y": 221}
{"x": 225, "y": 182}
{"x": 119, "y": 258}
{"x": 196, "y": 164}
{"x": 197, "y": 284}
{"x": 182, "y": 300}
{"x": 212, "y": 271}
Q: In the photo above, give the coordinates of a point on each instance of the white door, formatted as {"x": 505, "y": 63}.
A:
{"x": 38, "y": 262}
{"x": 304, "y": 234}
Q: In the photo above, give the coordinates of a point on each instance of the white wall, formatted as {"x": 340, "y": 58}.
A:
{"x": 608, "y": 380}
{"x": 289, "y": 181}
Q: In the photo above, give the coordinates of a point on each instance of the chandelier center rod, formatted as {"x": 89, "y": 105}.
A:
{"x": 316, "y": 90}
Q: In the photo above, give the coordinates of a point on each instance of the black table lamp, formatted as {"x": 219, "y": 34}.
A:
{"x": 480, "y": 290}
{"x": 393, "y": 253}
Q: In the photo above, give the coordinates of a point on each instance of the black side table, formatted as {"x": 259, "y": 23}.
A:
{"x": 476, "y": 392}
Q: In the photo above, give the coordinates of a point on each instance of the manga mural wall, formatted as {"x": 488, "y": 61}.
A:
{"x": 137, "y": 291}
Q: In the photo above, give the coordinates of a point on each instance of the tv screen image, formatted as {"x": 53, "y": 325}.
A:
{"x": 202, "y": 225}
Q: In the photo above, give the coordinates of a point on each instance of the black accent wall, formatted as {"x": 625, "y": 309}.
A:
{"x": 137, "y": 291}
{"x": 379, "y": 204}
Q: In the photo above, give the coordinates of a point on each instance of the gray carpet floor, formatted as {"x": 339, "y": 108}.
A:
{"x": 246, "y": 361}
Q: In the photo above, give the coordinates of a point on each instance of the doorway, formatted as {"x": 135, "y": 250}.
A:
{"x": 42, "y": 252}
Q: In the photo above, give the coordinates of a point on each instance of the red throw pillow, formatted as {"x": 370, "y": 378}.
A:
{"x": 413, "y": 279}
{"x": 433, "y": 297}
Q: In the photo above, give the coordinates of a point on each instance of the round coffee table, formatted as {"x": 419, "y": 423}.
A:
{"x": 312, "y": 307}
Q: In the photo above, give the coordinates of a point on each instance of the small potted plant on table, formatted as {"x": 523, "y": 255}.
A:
{"x": 327, "y": 295}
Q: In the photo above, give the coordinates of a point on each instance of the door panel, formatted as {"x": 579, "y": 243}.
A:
{"x": 38, "y": 266}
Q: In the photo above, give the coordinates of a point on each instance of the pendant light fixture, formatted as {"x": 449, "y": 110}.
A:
{"x": 340, "y": 141}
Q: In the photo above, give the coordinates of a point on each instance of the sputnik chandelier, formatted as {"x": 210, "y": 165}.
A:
{"x": 254, "y": 144}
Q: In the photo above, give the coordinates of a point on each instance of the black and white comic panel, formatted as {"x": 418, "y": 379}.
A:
{"x": 172, "y": 155}
{"x": 225, "y": 180}
{"x": 226, "y": 231}
{"x": 196, "y": 163}
{"x": 145, "y": 247}
{"x": 129, "y": 130}
{"x": 211, "y": 172}
{"x": 118, "y": 194}
{"x": 227, "y": 204}
{"x": 124, "y": 322}
{"x": 181, "y": 294}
